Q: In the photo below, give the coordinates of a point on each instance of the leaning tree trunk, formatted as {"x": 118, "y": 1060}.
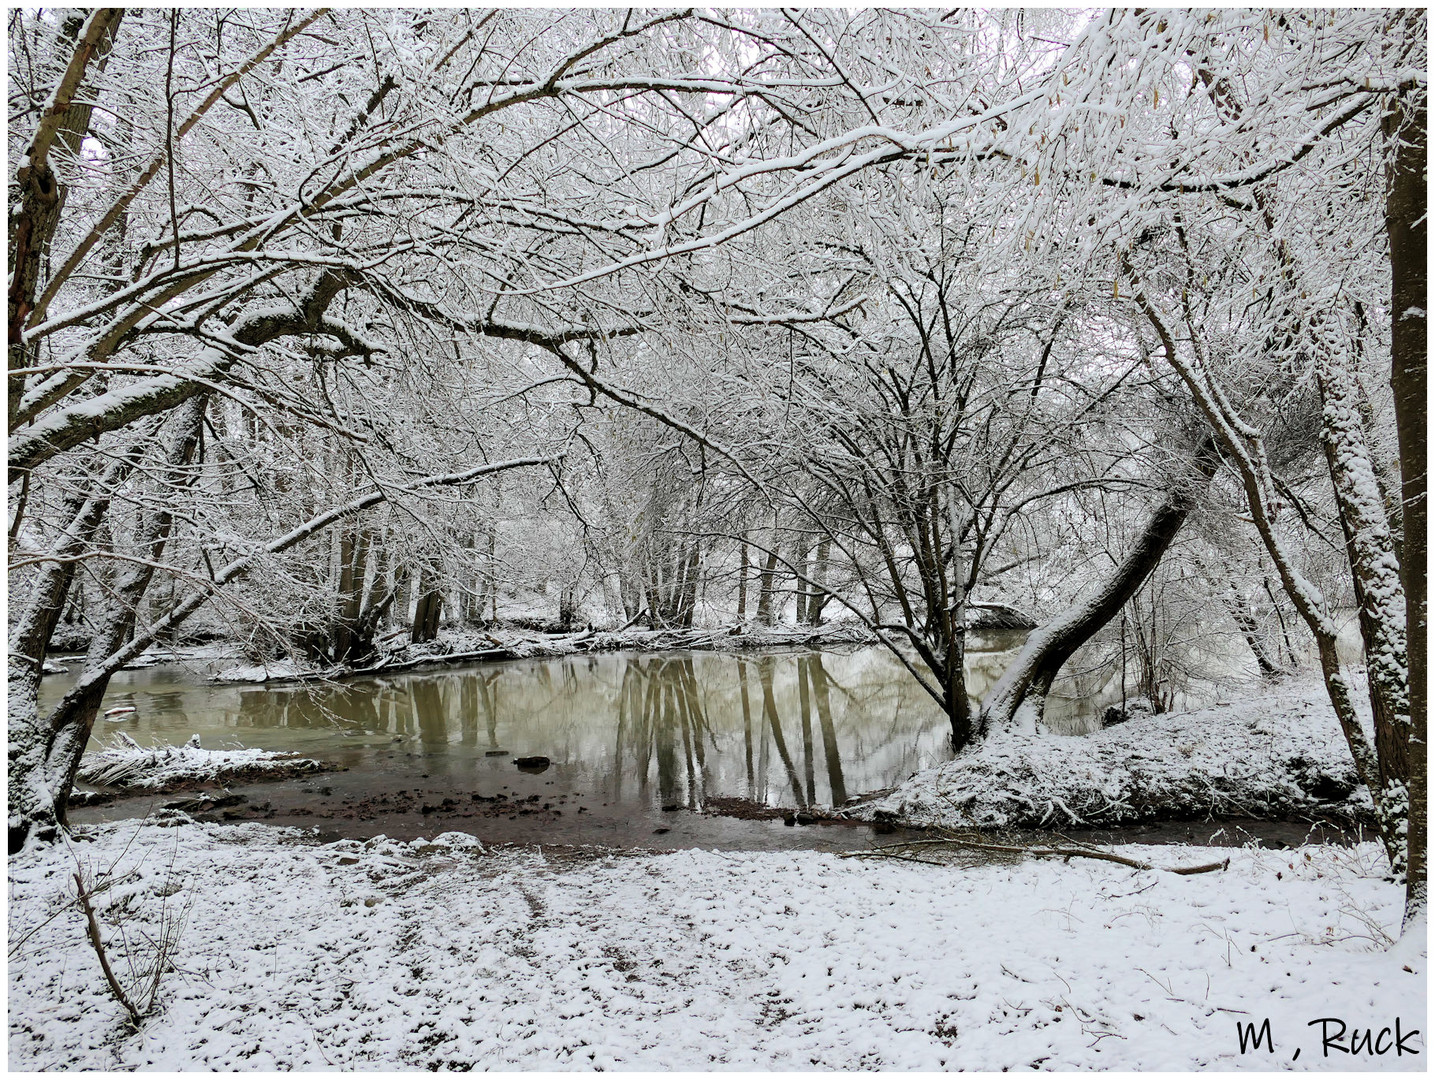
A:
{"x": 33, "y": 621}
{"x": 44, "y": 771}
{"x": 35, "y": 214}
{"x": 1028, "y": 680}
{"x": 1375, "y": 573}
{"x": 1250, "y": 630}
{"x": 31, "y": 816}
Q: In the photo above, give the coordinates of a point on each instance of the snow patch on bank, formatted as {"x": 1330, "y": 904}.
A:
{"x": 438, "y": 955}
{"x": 128, "y": 765}
{"x": 1279, "y": 754}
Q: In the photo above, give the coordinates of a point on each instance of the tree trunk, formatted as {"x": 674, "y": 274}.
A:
{"x": 1251, "y": 631}
{"x": 32, "y": 815}
{"x": 742, "y": 582}
{"x": 1029, "y": 678}
{"x": 818, "y": 596}
{"x": 1245, "y": 449}
{"x": 493, "y": 573}
{"x": 43, "y": 771}
{"x": 36, "y": 213}
{"x": 1375, "y": 571}
{"x": 801, "y": 549}
{"x": 1405, "y": 211}
{"x": 33, "y": 628}
{"x": 427, "y": 610}
{"x": 765, "y": 614}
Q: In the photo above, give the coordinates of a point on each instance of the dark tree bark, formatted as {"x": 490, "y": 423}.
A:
{"x": 1251, "y": 631}
{"x": 36, "y": 214}
{"x": 427, "y": 611}
{"x": 769, "y": 712}
{"x": 817, "y": 595}
{"x": 1405, "y": 211}
{"x": 765, "y": 613}
{"x": 742, "y": 582}
{"x": 821, "y": 700}
{"x": 33, "y": 629}
{"x": 82, "y": 421}
{"x": 802, "y": 548}
{"x": 1370, "y": 553}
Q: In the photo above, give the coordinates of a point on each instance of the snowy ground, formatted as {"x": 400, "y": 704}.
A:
{"x": 378, "y": 954}
{"x": 1280, "y": 753}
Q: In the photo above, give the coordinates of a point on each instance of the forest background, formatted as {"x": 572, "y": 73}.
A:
{"x": 329, "y": 325}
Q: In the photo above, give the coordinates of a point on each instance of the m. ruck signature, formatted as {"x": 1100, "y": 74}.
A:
{"x": 1336, "y": 1036}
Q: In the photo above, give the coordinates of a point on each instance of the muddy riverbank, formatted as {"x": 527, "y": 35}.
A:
{"x": 528, "y": 810}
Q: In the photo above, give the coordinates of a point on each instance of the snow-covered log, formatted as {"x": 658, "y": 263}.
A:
{"x": 127, "y": 765}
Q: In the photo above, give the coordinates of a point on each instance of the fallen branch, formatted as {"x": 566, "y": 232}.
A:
{"x": 892, "y": 851}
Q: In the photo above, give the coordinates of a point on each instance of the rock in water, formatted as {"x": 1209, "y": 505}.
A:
{"x": 534, "y": 764}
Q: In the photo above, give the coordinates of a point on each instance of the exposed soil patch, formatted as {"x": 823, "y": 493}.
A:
{"x": 518, "y": 808}
{"x": 406, "y": 801}
{"x": 744, "y": 809}
{"x": 747, "y": 810}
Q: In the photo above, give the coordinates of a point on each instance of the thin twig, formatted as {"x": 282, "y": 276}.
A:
{"x": 84, "y": 899}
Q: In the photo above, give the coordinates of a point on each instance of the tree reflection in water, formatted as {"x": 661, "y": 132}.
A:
{"x": 661, "y": 719}
{"x": 795, "y": 729}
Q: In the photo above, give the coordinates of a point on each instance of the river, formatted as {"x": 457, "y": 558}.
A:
{"x": 642, "y": 746}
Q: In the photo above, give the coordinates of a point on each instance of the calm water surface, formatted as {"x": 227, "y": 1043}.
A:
{"x": 638, "y": 742}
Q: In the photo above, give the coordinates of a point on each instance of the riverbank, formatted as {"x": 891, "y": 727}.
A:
{"x": 1276, "y": 755}
{"x": 453, "y": 647}
{"x": 444, "y": 955}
